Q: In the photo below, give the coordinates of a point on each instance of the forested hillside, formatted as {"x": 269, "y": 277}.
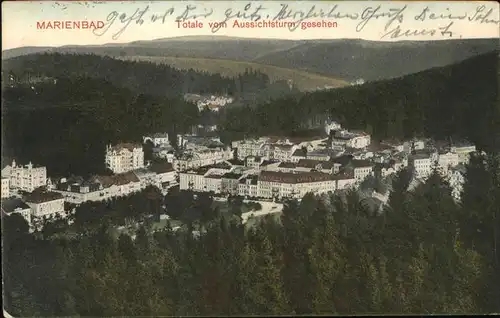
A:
{"x": 425, "y": 254}
{"x": 143, "y": 77}
{"x": 460, "y": 100}
{"x": 345, "y": 59}
{"x": 66, "y": 126}
{"x": 373, "y": 61}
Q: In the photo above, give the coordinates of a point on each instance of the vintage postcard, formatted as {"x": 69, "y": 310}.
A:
{"x": 234, "y": 158}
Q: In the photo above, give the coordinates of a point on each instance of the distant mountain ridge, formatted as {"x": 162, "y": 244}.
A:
{"x": 345, "y": 59}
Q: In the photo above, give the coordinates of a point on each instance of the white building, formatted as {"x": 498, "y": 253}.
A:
{"x": 359, "y": 81}
{"x": 344, "y": 180}
{"x": 163, "y": 152}
{"x": 248, "y": 186}
{"x": 321, "y": 155}
{"x": 463, "y": 151}
{"x": 279, "y": 152}
{"x": 332, "y": 126}
{"x": 319, "y": 165}
{"x": 362, "y": 169}
{"x": 447, "y": 160}
{"x": 25, "y": 178}
{"x": 416, "y": 144}
{"x": 395, "y": 144}
{"x": 272, "y": 184}
{"x": 253, "y": 162}
{"x": 100, "y": 188}
{"x": 146, "y": 177}
{"x": 230, "y": 182}
{"x": 45, "y": 204}
{"x": 124, "y": 157}
{"x": 78, "y": 191}
{"x": 158, "y": 139}
{"x": 166, "y": 176}
{"x": 392, "y": 166}
{"x": 357, "y": 140}
{"x": 5, "y": 187}
{"x": 193, "y": 160}
{"x": 204, "y": 179}
{"x": 422, "y": 162}
{"x": 248, "y": 148}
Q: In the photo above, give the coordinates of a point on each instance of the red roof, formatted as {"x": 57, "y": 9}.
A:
{"x": 286, "y": 177}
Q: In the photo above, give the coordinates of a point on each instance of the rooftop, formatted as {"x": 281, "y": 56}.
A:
{"x": 203, "y": 170}
{"x": 319, "y": 152}
{"x": 290, "y": 165}
{"x": 10, "y": 205}
{"x": 214, "y": 176}
{"x": 283, "y": 146}
{"x": 232, "y": 175}
{"x": 253, "y": 179}
{"x": 310, "y": 163}
{"x": 342, "y": 160}
{"x": 287, "y": 177}
{"x": 421, "y": 154}
{"x": 42, "y": 196}
{"x": 268, "y": 162}
{"x": 300, "y": 152}
{"x": 143, "y": 172}
{"x": 129, "y": 146}
{"x": 236, "y": 162}
{"x": 159, "y": 135}
{"x": 361, "y": 163}
{"x": 343, "y": 176}
{"x": 118, "y": 179}
{"x": 161, "y": 167}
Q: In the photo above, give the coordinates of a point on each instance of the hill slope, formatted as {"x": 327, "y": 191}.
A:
{"x": 142, "y": 77}
{"x": 341, "y": 59}
{"x": 376, "y": 60}
{"x": 304, "y": 81}
{"x": 459, "y": 101}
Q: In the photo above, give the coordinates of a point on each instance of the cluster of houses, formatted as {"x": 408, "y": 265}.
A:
{"x": 211, "y": 102}
{"x": 358, "y": 81}
{"x": 273, "y": 168}
{"x": 27, "y": 189}
{"x": 22, "y": 193}
{"x": 264, "y": 168}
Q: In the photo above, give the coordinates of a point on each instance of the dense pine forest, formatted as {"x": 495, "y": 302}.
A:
{"x": 459, "y": 100}
{"x": 66, "y": 126}
{"x": 140, "y": 76}
{"x": 325, "y": 255}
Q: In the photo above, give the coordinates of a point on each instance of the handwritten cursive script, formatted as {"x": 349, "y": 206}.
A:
{"x": 248, "y": 12}
{"x": 398, "y": 21}
{"x": 143, "y": 15}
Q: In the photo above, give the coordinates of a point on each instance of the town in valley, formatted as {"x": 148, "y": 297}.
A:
{"x": 226, "y": 176}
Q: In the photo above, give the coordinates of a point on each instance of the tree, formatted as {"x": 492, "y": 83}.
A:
{"x": 235, "y": 205}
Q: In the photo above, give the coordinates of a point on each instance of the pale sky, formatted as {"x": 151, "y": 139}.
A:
{"x": 479, "y": 20}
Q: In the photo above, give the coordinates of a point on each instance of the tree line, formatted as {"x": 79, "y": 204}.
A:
{"x": 66, "y": 126}
{"x": 327, "y": 254}
{"x": 140, "y": 76}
